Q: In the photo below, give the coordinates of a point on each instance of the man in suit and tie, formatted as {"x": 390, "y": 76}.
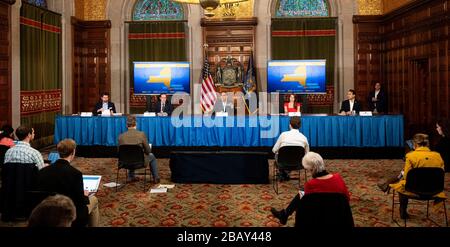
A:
{"x": 163, "y": 106}
{"x": 104, "y": 105}
{"x": 351, "y": 105}
{"x": 135, "y": 137}
{"x": 223, "y": 105}
{"x": 377, "y": 100}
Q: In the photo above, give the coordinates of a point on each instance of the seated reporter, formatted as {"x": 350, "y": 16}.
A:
{"x": 322, "y": 182}
{"x": 136, "y": 137}
{"x": 53, "y": 211}
{"x": 62, "y": 178}
{"x": 421, "y": 157}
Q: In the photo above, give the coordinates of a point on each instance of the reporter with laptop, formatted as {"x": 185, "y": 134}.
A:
{"x": 62, "y": 178}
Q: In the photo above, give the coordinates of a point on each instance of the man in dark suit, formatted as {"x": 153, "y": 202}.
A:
{"x": 163, "y": 106}
{"x": 62, "y": 178}
{"x": 377, "y": 100}
{"x": 223, "y": 104}
{"x": 104, "y": 105}
{"x": 351, "y": 105}
{"x": 135, "y": 137}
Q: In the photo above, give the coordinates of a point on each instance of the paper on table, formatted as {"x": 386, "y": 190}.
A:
{"x": 168, "y": 186}
{"x": 111, "y": 185}
{"x": 158, "y": 190}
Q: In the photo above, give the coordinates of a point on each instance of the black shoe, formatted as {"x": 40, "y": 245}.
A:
{"x": 280, "y": 215}
{"x": 384, "y": 187}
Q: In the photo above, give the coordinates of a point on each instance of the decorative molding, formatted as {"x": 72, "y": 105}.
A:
{"x": 370, "y": 7}
{"x": 229, "y": 22}
{"x": 90, "y": 10}
{"x": 90, "y": 24}
{"x": 33, "y": 102}
{"x": 236, "y": 10}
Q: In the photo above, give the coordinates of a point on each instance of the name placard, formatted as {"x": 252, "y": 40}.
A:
{"x": 365, "y": 113}
{"x": 86, "y": 114}
{"x": 117, "y": 114}
{"x": 221, "y": 114}
{"x": 294, "y": 114}
{"x": 149, "y": 114}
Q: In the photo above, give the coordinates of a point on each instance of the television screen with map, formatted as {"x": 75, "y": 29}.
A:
{"x": 161, "y": 77}
{"x": 296, "y": 76}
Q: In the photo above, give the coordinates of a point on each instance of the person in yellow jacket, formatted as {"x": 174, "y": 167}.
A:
{"x": 422, "y": 156}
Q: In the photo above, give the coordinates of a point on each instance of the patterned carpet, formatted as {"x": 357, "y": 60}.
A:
{"x": 207, "y": 205}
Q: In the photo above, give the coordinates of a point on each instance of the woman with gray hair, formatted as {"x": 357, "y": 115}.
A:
{"x": 322, "y": 182}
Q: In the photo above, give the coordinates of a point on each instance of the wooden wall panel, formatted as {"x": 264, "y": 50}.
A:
{"x": 5, "y": 63}
{"x": 91, "y": 62}
{"x": 235, "y": 38}
{"x": 414, "y": 44}
{"x": 367, "y": 57}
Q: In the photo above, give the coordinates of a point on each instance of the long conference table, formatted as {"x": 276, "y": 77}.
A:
{"x": 236, "y": 131}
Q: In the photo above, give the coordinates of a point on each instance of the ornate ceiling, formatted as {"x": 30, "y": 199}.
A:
{"x": 96, "y": 9}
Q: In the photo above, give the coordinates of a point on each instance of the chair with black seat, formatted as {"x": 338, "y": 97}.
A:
{"x": 289, "y": 159}
{"x": 425, "y": 183}
{"x": 324, "y": 210}
{"x": 131, "y": 157}
{"x": 17, "y": 179}
{"x": 3, "y": 150}
{"x": 34, "y": 197}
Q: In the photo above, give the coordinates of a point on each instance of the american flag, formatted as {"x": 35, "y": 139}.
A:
{"x": 208, "y": 93}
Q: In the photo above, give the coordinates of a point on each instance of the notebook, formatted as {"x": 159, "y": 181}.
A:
{"x": 91, "y": 183}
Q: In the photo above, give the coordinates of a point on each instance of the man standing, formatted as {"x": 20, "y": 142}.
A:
{"x": 22, "y": 152}
{"x": 377, "y": 100}
{"x": 65, "y": 179}
{"x": 163, "y": 106}
{"x": 135, "y": 137}
{"x": 350, "y": 106}
{"x": 293, "y": 137}
{"x": 104, "y": 105}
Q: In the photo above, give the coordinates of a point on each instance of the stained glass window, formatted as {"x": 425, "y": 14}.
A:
{"x": 302, "y": 8}
{"x": 157, "y": 10}
{"x": 39, "y": 3}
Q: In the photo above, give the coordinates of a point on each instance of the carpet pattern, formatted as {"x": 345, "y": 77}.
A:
{"x": 208, "y": 205}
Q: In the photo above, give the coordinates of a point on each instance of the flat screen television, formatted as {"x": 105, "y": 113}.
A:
{"x": 296, "y": 76}
{"x": 161, "y": 77}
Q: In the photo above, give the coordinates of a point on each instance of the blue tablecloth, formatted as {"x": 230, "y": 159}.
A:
{"x": 321, "y": 131}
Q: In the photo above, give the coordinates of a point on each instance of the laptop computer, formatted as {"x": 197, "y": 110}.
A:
{"x": 91, "y": 183}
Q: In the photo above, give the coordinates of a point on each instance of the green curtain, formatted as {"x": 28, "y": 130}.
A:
{"x": 306, "y": 38}
{"x": 40, "y": 66}
{"x": 156, "y": 41}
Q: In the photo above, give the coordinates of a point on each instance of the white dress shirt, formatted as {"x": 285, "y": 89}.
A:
{"x": 292, "y": 137}
{"x": 352, "y": 102}
{"x": 376, "y": 93}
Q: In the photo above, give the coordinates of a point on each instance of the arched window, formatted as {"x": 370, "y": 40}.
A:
{"x": 39, "y": 3}
{"x": 302, "y": 8}
{"x": 145, "y": 10}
